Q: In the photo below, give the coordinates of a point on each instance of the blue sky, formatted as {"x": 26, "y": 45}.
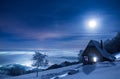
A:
{"x": 55, "y": 24}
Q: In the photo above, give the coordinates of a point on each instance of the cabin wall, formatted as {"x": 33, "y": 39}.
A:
{"x": 91, "y": 51}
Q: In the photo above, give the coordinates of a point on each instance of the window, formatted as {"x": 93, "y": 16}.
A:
{"x": 86, "y": 58}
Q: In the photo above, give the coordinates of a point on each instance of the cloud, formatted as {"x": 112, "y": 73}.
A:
{"x": 51, "y": 40}
{"x": 14, "y": 58}
{"x": 25, "y": 57}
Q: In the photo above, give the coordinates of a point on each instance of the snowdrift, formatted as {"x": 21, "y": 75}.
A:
{"x": 104, "y": 70}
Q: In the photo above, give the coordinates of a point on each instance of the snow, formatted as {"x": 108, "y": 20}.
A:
{"x": 4, "y": 76}
{"x": 59, "y": 76}
{"x": 117, "y": 55}
{"x": 104, "y": 70}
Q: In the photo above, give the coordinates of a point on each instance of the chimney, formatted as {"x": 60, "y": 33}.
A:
{"x": 101, "y": 44}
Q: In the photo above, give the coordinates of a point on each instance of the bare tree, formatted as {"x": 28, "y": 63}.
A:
{"x": 39, "y": 60}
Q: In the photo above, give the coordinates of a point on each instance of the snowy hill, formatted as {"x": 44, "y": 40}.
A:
{"x": 104, "y": 70}
{"x": 13, "y": 69}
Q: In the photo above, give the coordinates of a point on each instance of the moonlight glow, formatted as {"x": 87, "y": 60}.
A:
{"x": 92, "y": 24}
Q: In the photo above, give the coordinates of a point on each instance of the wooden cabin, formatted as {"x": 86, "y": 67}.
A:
{"x": 95, "y": 52}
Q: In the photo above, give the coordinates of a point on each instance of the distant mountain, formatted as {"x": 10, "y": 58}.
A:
{"x": 65, "y": 57}
{"x": 9, "y": 66}
{"x": 14, "y": 69}
{"x": 69, "y": 57}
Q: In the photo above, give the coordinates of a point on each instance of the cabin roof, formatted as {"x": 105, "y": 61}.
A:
{"x": 103, "y": 52}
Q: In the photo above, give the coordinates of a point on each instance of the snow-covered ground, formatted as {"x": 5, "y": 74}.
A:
{"x": 104, "y": 70}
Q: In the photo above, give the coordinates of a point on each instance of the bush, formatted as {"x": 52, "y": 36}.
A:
{"x": 66, "y": 63}
{"x": 54, "y": 66}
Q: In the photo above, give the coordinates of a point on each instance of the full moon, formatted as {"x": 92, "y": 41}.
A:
{"x": 92, "y": 24}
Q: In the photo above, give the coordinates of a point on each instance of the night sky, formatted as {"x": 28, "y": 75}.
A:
{"x": 55, "y": 24}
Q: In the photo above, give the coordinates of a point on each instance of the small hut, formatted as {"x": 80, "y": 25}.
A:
{"x": 95, "y": 52}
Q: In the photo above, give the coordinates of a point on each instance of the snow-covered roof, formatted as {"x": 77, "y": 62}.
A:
{"x": 103, "y": 52}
